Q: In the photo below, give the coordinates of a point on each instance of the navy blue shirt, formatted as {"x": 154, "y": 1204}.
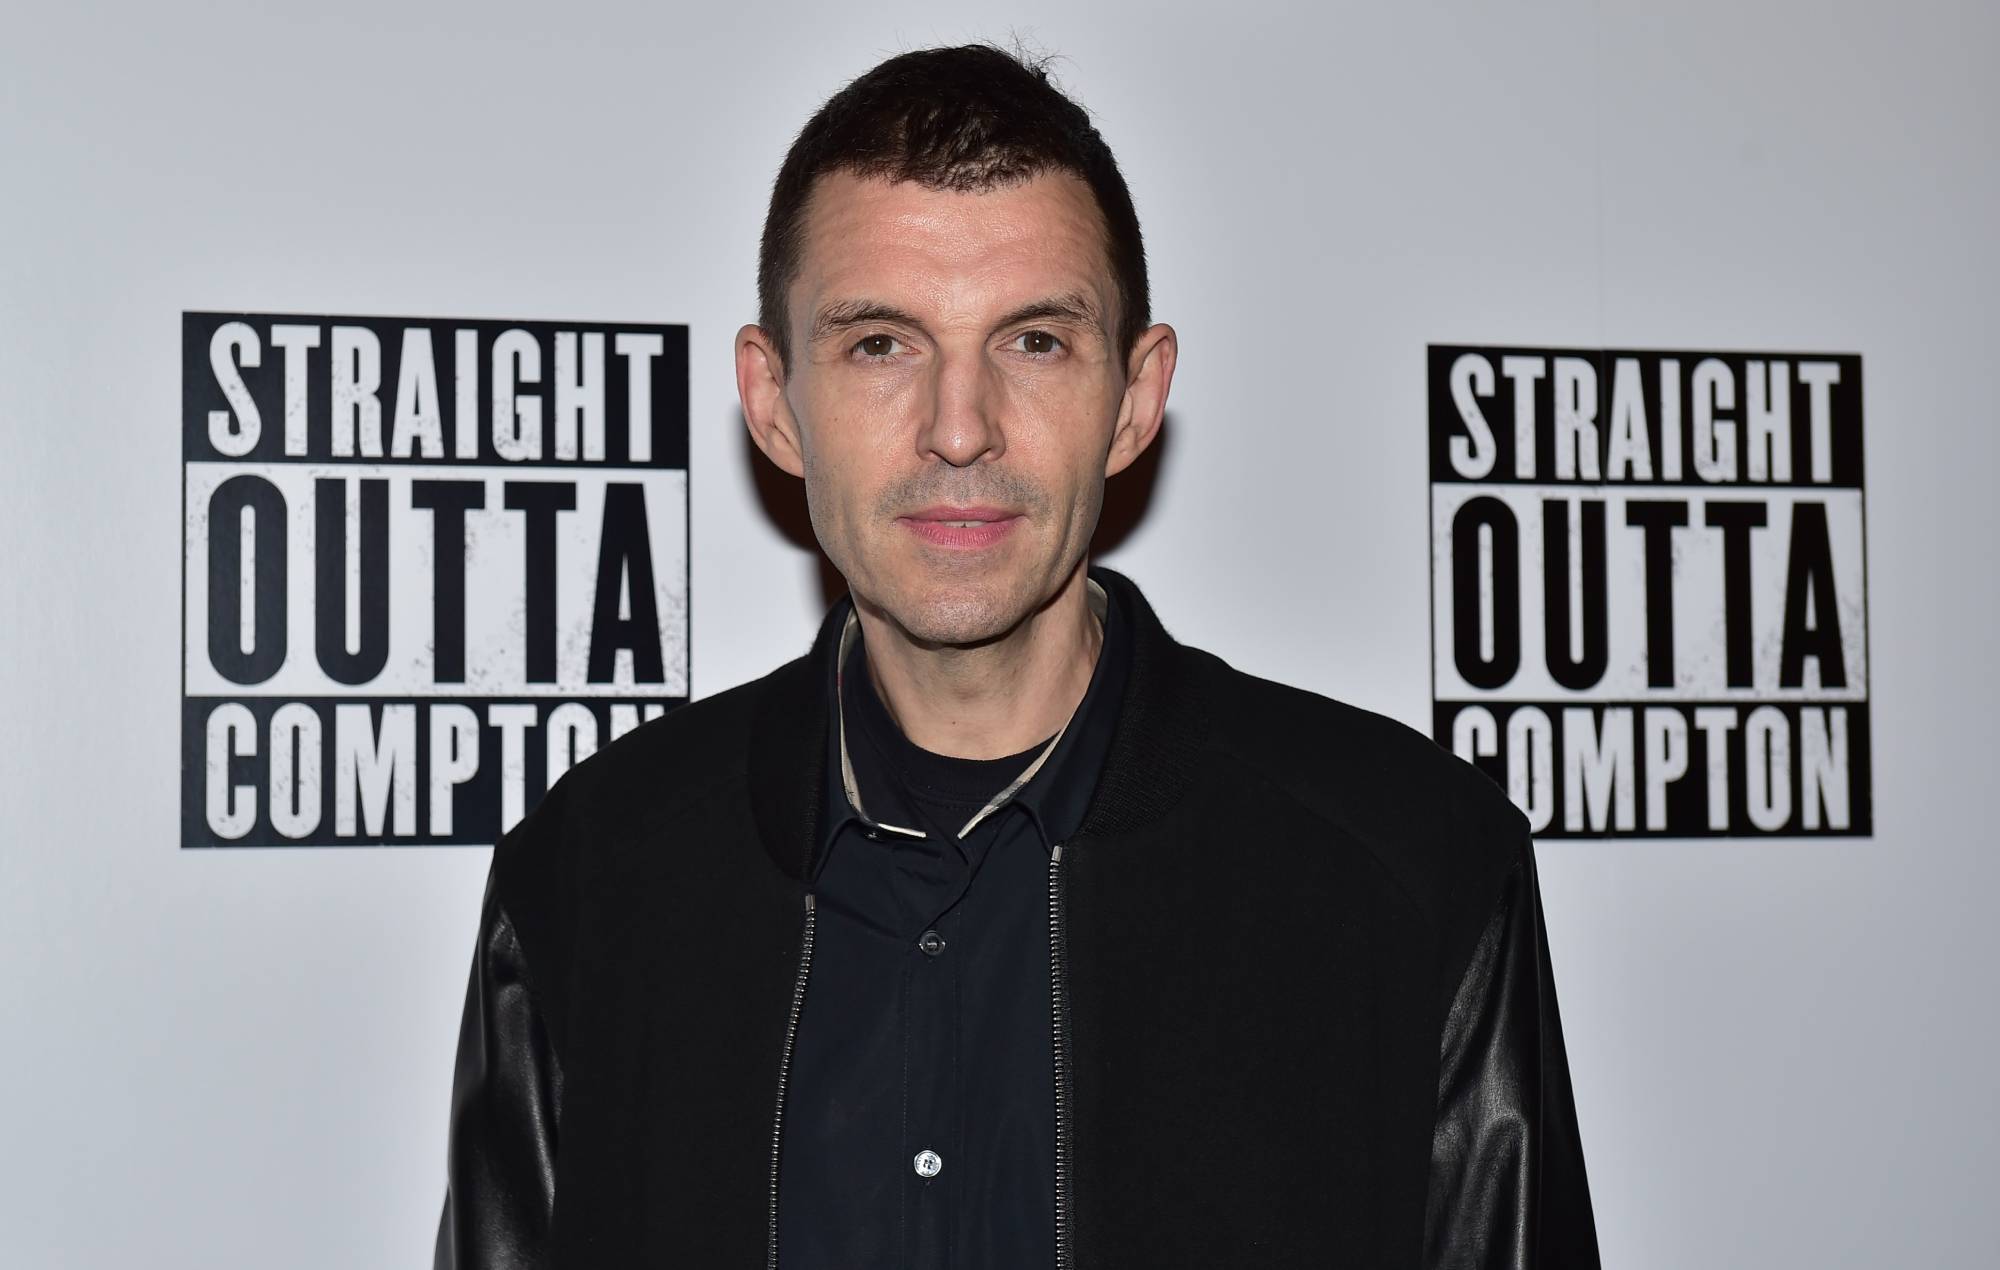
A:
{"x": 919, "y": 1128}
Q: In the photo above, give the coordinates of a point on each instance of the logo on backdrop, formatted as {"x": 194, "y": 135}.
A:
{"x": 1648, "y": 604}
{"x": 429, "y": 565}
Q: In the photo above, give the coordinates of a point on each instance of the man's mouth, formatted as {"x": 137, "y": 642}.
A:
{"x": 961, "y": 527}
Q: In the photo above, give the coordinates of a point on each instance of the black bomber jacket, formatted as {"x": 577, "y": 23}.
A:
{"x": 1301, "y": 994}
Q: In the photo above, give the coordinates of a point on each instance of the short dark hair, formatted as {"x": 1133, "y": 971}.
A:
{"x": 969, "y": 118}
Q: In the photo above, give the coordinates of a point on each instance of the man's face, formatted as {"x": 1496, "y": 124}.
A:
{"x": 953, "y": 360}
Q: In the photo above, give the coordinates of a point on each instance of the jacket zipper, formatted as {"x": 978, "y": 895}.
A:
{"x": 784, "y": 1071}
{"x": 1059, "y": 1038}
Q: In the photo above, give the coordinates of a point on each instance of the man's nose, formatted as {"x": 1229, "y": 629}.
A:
{"x": 964, "y": 425}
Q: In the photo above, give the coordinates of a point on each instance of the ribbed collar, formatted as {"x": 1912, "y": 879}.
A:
{"x": 1051, "y": 784}
{"x": 1159, "y": 730}
{"x": 850, "y": 633}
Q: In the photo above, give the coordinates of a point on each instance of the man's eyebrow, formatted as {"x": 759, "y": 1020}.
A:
{"x": 1070, "y": 306}
{"x": 845, "y": 313}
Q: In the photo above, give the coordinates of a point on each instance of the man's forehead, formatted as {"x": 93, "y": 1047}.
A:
{"x": 868, "y": 235}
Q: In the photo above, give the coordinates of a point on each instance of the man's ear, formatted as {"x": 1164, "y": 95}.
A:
{"x": 760, "y": 385}
{"x": 1140, "y": 412}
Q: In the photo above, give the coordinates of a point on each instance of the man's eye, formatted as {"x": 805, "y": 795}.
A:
{"x": 876, "y": 347}
{"x": 1039, "y": 343}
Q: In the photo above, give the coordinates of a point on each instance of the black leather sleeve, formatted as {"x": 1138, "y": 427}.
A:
{"x": 506, "y": 1099}
{"x": 1507, "y": 1189}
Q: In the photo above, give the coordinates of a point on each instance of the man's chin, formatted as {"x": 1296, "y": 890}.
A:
{"x": 957, "y": 611}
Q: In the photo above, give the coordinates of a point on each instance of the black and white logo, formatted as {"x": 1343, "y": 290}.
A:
{"x": 429, "y": 565}
{"x": 1648, "y": 587}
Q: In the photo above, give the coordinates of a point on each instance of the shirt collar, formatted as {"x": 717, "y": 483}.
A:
{"x": 1088, "y": 726}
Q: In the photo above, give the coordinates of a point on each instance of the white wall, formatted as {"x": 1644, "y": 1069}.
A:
{"x": 1782, "y": 1050}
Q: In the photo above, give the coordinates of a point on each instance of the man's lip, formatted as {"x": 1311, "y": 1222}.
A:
{"x": 962, "y": 513}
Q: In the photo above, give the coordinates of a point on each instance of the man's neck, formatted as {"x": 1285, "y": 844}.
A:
{"x": 994, "y": 699}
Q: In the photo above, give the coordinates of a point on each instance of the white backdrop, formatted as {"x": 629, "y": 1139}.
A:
{"x": 1782, "y": 1050}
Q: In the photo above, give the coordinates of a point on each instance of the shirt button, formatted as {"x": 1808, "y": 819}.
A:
{"x": 932, "y": 943}
{"x": 928, "y": 1163}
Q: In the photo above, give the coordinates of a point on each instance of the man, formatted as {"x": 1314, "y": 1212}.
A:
{"x": 1001, "y": 929}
